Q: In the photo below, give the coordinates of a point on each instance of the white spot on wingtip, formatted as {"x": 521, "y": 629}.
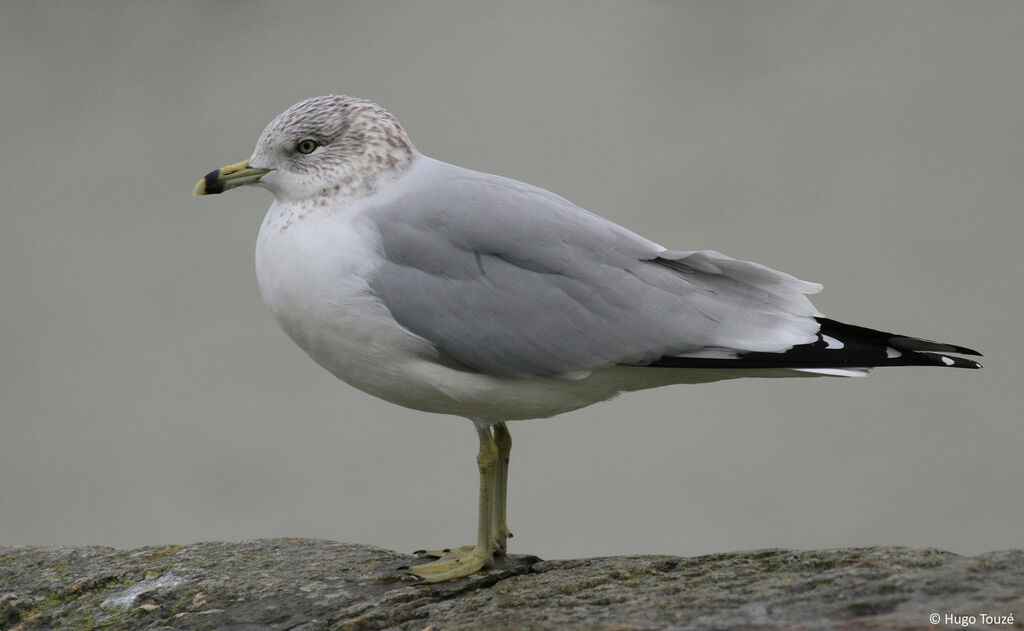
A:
{"x": 947, "y": 361}
{"x": 892, "y": 353}
{"x": 831, "y": 342}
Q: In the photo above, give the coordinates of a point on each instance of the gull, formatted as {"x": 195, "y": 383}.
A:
{"x": 458, "y": 292}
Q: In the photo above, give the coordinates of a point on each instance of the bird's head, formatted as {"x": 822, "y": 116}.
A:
{"x": 325, "y": 145}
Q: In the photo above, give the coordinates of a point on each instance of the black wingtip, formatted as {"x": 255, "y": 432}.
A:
{"x": 841, "y": 345}
{"x": 904, "y": 342}
{"x": 916, "y": 350}
{"x": 968, "y": 351}
{"x": 951, "y": 362}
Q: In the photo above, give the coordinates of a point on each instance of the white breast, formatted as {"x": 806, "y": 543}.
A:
{"x": 312, "y": 268}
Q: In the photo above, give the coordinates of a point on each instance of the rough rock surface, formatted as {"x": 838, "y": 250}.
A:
{"x": 308, "y": 585}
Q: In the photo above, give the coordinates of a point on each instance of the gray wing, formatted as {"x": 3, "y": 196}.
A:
{"x": 510, "y": 280}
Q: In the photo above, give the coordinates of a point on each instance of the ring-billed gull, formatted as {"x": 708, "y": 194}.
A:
{"x": 458, "y": 292}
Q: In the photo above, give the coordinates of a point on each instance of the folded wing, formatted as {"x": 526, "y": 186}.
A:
{"x": 510, "y": 280}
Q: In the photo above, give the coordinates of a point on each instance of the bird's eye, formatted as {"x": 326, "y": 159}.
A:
{"x": 306, "y": 146}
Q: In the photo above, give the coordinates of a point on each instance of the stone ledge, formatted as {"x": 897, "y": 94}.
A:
{"x": 310, "y": 585}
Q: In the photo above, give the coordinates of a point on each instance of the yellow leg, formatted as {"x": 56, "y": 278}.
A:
{"x": 465, "y": 561}
{"x": 503, "y": 440}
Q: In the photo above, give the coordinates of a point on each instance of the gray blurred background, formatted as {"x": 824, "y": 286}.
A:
{"x": 146, "y": 397}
